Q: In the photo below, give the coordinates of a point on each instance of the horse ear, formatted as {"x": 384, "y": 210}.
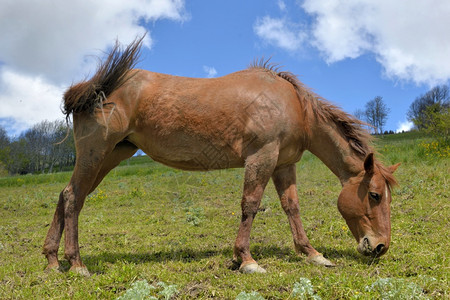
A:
{"x": 394, "y": 167}
{"x": 369, "y": 163}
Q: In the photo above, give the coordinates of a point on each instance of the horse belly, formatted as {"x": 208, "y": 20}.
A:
{"x": 189, "y": 153}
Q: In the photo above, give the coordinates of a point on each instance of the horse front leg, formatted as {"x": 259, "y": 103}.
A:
{"x": 284, "y": 179}
{"x": 258, "y": 169}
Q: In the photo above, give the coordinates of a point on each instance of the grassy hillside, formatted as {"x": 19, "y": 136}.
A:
{"x": 166, "y": 233}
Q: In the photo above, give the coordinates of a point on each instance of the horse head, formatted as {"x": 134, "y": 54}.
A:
{"x": 364, "y": 202}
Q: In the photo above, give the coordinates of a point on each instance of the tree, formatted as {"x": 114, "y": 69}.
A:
{"x": 438, "y": 123}
{"x": 359, "y": 114}
{"x": 425, "y": 107}
{"x": 41, "y": 148}
{"x": 4, "y": 141}
{"x": 63, "y": 151}
{"x": 376, "y": 113}
{"x": 18, "y": 160}
{"x": 4, "y": 150}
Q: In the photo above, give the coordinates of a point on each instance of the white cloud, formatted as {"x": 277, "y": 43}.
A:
{"x": 50, "y": 44}
{"x": 409, "y": 38}
{"x": 281, "y": 5}
{"x": 280, "y": 32}
{"x": 210, "y": 71}
{"x": 404, "y": 126}
{"x": 28, "y": 100}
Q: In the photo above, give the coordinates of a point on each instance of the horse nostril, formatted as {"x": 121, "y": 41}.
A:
{"x": 379, "y": 248}
{"x": 366, "y": 242}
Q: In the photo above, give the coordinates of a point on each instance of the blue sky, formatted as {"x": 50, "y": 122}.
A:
{"x": 347, "y": 51}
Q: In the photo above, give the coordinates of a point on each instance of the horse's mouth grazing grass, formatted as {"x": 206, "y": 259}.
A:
{"x": 366, "y": 249}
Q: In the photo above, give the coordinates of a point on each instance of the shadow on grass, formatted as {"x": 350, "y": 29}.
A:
{"x": 347, "y": 254}
{"x": 187, "y": 255}
{"x": 181, "y": 254}
{"x": 289, "y": 254}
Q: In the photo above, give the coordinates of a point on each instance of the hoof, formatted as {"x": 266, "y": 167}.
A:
{"x": 83, "y": 271}
{"x": 320, "y": 261}
{"x": 53, "y": 268}
{"x": 251, "y": 268}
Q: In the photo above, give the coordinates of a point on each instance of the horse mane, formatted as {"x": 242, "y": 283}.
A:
{"x": 350, "y": 127}
{"x": 110, "y": 75}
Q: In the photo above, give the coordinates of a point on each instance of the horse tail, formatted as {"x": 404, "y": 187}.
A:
{"x": 112, "y": 73}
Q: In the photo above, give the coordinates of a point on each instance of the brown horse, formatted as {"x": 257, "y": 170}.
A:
{"x": 259, "y": 118}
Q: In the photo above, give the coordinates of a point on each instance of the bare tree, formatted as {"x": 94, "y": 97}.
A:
{"x": 376, "y": 113}
{"x": 359, "y": 114}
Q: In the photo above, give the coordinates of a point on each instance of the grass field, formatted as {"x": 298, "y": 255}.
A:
{"x": 154, "y": 231}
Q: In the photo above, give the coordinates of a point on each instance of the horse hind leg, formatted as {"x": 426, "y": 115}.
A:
{"x": 86, "y": 177}
{"x": 66, "y": 215}
{"x": 122, "y": 151}
{"x": 258, "y": 169}
{"x": 51, "y": 244}
{"x": 284, "y": 179}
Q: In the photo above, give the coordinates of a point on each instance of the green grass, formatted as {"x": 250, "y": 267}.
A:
{"x": 147, "y": 223}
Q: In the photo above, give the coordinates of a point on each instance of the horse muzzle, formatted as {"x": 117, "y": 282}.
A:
{"x": 374, "y": 249}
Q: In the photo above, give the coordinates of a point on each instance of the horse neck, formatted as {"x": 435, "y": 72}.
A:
{"x": 333, "y": 149}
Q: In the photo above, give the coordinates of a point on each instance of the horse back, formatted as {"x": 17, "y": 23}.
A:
{"x": 214, "y": 123}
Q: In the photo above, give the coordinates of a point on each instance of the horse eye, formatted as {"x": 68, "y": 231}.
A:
{"x": 375, "y": 196}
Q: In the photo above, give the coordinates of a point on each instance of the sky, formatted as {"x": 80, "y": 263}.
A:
{"x": 348, "y": 51}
